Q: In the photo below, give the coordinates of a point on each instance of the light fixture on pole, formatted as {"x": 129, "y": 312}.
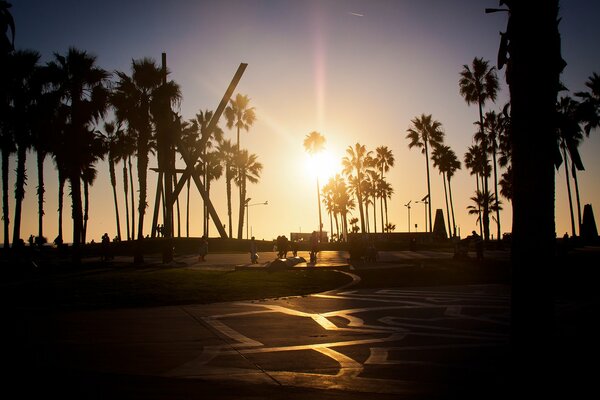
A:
{"x": 247, "y": 213}
{"x": 425, "y": 201}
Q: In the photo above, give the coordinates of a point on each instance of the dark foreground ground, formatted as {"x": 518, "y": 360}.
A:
{"x": 35, "y": 367}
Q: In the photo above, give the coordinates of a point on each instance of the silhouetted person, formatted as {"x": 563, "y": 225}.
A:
{"x": 31, "y": 240}
{"x": 203, "y": 251}
{"x": 295, "y": 248}
{"x": 105, "y": 244}
{"x": 314, "y": 247}
{"x": 478, "y": 243}
{"x": 253, "y": 252}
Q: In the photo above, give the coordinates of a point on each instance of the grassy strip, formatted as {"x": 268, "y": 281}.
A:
{"x": 117, "y": 288}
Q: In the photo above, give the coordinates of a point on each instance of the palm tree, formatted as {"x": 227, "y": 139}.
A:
{"x": 589, "y": 111}
{"x": 216, "y": 135}
{"x": 479, "y": 201}
{"x": 373, "y": 184}
{"x": 385, "y": 191}
{"x": 239, "y": 114}
{"x": 355, "y": 164}
{"x": 493, "y": 124}
{"x": 384, "y": 160}
{"x": 6, "y": 22}
{"x": 570, "y": 135}
{"x": 141, "y": 100}
{"x": 451, "y": 165}
{"x": 329, "y": 203}
{"x": 96, "y": 150}
{"x": 389, "y": 227}
{"x": 477, "y": 86}
{"x": 479, "y": 166}
{"x": 249, "y": 170}
{"x": 438, "y": 156}
{"x": 424, "y": 133}
{"x": 111, "y": 135}
{"x": 23, "y": 90}
{"x": 314, "y": 143}
{"x": 353, "y": 222}
{"x": 212, "y": 169}
{"x": 227, "y": 155}
{"x": 81, "y": 85}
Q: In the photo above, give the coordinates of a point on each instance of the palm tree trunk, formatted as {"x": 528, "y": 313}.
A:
{"x": 5, "y": 204}
{"x": 187, "y": 210}
{"x": 229, "y": 211}
{"x": 132, "y": 199}
{"x": 19, "y": 192}
{"x": 375, "y": 214}
{"x": 61, "y": 192}
{"x": 113, "y": 181}
{"x": 319, "y": 205}
{"x": 76, "y": 212}
{"x": 177, "y": 207}
{"x": 242, "y": 208}
{"x": 486, "y": 206}
{"x": 428, "y": 189}
{"x": 41, "y": 156}
{"x": 367, "y": 222}
{"x": 535, "y": 67}
{"x": 574, "y": 171}
{"x": 447, "y": 208}
{"x": 499, "y": 231}
{"x": 573, "y": 232}
{"x": 451, "y": 207}
{"x": 207, "y": 213}
{"x": 86, "y": 205}
{"x": 125, "y": 189}
{"x": 479, "y": 207}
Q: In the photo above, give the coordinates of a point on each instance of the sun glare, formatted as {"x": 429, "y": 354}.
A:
{"x": 323, "y": 164}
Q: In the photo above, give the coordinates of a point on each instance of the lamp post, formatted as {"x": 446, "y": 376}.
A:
{"x": 250, "y": 205}
{"x": 407, "y": 205}
{"x": 425, "y": 201}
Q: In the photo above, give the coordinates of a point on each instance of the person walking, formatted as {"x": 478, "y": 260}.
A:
{"x": 203, "y": 251}
{"x": 253, "y": 252}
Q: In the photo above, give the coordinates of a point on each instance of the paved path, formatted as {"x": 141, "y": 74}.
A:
{"x": 358, "y": 343}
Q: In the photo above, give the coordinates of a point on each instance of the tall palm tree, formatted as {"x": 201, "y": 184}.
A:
{"x": 330, "y": 206}
{"x": 111, "y": 135}
{"x": 239, "y": 114}
{"x": 386, "y": 191}
{"x": 190, "y": 139}
{"x": 249, "y": 170}
{"x": 355, "y": 164}
{"x": 141, "y": 99}
{"x": 493, "y": 124}
{"x": 314, "y": 143}
{"x": 425, "y": 132}
{"x": 202, "y": 119}
{"x": 24, "y": 91}
{"x": 372, "y": 181}
{"x": 227, "y": 155}
{"x": 478, "y": 85}
{"x": 570, "y": 135}
{"x": 82, "y": 86}
{"x": 451, "y": 165}
{"x": 384, "y": 160}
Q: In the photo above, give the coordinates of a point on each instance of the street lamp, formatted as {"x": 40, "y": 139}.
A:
{"x": 247, "y": 213}
{"x": 425, "y": 201}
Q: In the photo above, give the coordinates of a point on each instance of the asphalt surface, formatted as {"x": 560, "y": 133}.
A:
{"x": 386, "y": 343}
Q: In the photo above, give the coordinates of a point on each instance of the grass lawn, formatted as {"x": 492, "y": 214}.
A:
{"x": 135, "y": 287}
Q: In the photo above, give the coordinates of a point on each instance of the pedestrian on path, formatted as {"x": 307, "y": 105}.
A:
{"x": 203, "y": 251}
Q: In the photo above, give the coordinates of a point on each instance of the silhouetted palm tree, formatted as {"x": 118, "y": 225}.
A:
{"x": 24, "y": 91}
{"x": 589, "y": 111}
{"x": 570, "y": 135}
{"x": 239, "y": 114}
{"x": 386, "y": 191}
{"x": 212, "y": 169}
{"x": 227, "y": 154}
{"x": 477, "y": 86}
{"x": 493, "y": 125}
{"x": 112, "y": 133}
{"x": 479, "y": 166}
{"x": 6, "y": 23}
{"x": 479, "y": 201}
{"x": 215, "y": 136}
{"x": 384, "y": 160}
{"x": 249, "y": 170}
{"x": 137, "y": 96}
{"x": 314, "y": 143}
{"x": 81, "y": 85}
{"x": 451, "y": 164}
{"x": 389, "y": 227}
{"x": 95, "y": 151}
{"x": 355, "y": 163}
{"x": 330, "y": 206}
{"x": 425, "y": 133}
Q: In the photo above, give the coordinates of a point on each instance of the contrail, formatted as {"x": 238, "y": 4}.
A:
{"x": 356, "y": 14}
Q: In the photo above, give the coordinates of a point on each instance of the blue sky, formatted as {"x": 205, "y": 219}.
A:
{"x": 312, "y": 65}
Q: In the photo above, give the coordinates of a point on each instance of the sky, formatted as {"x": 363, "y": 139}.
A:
{"x": 355, "y": 71}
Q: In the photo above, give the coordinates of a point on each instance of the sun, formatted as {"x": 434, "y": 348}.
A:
{"x": 323, "y": 165}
